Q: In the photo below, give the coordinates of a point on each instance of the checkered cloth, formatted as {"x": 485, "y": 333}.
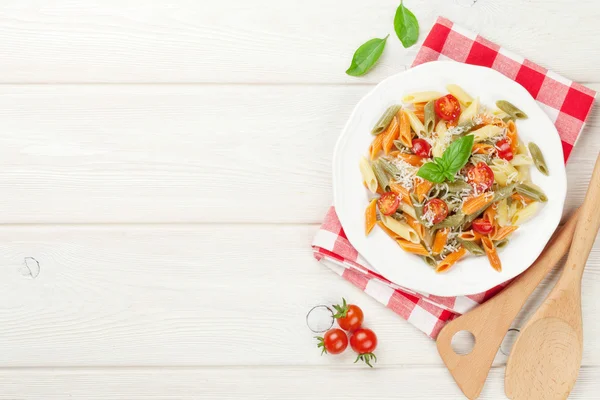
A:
{"x": 567, "y": 103}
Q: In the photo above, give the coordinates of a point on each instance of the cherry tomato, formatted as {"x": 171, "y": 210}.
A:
{"x": 482, "y": 226}
{"x": 481, "y": 177}
{"x": 334, "y": 341}
{"x": 388, "y": 203}
{"x": 364, "y": 341}
{"x": 349, "y": 316}
{"x": 438, "y": 208}
{"x": 447, "y": 108}
{"x": 504, "y": 150}
{"x": 421, "y": 148}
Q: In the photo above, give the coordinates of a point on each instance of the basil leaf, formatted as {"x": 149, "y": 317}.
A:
{"x": 431, "y": 172}
{"x": 449, "y": 175}
{"x": 406, "y": 26}
{"x": 457, "y": 154}
{"x": 366, "y": 56}
{"x": 440, "y": 161}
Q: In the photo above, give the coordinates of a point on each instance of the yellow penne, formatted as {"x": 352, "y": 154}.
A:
{"x": 523, "y": 173}
{"x": 368, "y": 175}
{"x": 477, "y": 203}
{"x": 504, "y": 172}
{"x": 503, "y": 232}
{"x": 415, "y": 123}
{"x": 370, "y": 216}
{"x": 414, "y": 248}
{"x": 487, "y": 132}
{"x": 521, "y": 159}
{"x": 450, "y": 260}
{"x": 440, "y": 240}
{"x": 523, "y": 215}
{"x": 405, "y": 134}
{"x": 502, "y": 213}
{"x": 470, "y": 112}
{"x": 401, "y": 229}
{"x": 390, "y": 135}
{"x": 408, "y": 209}
{"x": 421, "y": 97}
{"x": 460, "y": 94}
{"x": 492, "y": 253}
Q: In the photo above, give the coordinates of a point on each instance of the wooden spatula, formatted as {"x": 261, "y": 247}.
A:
{"x": 490, "y": 321}
{"x": 546, "y": 357}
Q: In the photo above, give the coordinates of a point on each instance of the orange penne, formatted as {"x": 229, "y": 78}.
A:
{"x": 490, "y": 215}
{"x": 511, "y": 134}
{"x": 370, "y": 216}
{"x": 470, "y": 236}
{"x": 477, "y": 203}
{"x": 483, "y": 148}
{"x": 491, "y": 252}
{"x": 487, "y": 119}
{"x": 422, "y": 187}
{"x": 503, "y": 232}
{"x": 376, "y": 146}
{"x": 421, "y": 115}
{"x": 411, "y": 159}
{"x": 405, "y": 135}
{"x": 420, "y": 229}
{"x": 450, "y": 260}
{"x": 390, "y": 135}
{"x": 414, "y": 248}
{"x": 401, "y": 191}
{"x": 420, "y": 106}
{"x": 521, "y": 198}
{"x": 440, "y": 240}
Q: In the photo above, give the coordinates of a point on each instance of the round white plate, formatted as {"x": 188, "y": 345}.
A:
{"x": 472, "y": 274}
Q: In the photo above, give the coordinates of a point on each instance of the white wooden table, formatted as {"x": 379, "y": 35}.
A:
{"x": 167, "y": 162}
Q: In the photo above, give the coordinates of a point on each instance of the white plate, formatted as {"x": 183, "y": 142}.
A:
{"x": 472, "y": 274}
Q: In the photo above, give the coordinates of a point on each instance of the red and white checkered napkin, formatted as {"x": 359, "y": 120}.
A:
{"x": 567, "y": 104}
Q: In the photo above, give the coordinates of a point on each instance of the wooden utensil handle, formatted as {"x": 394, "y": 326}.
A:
{"x": 587, "y": 227}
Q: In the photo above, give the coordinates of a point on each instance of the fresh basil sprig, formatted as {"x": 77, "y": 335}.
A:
{"x": 445, "y": 167}
{"x": 366, "y": 56}
{"x": 406, "y": 26}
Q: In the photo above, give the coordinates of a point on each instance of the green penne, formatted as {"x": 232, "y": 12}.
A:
{"x": 538, "y": 158}
{"x": 472, "y": 247}
{"x": 385, "y": 119}
{"x": 381, "y": 177}
{"x": 458, "y": 186}
{"x": 531, "y": 192}
{"x": 499, "y": 194}
{"x": 400, "y": 146}
{"x": 451, "y": 221}
{"x": 429, "y": 117}
{"x": 501, "y": 243}
{"x": 510, "y": 109}
{"x": 417, "y": 206}
{"x": 389, "y": 167}
{"x": 430, "y": 261}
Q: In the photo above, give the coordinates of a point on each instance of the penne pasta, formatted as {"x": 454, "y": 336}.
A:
{"x": 415, "y": 123}
{"x": 411, "y": 159}
{"x": 458, "y": 92}
{"x": 405, "y": 135}
{"x": 417, "y": 227}
{"x": 487, "y": 132}
{"x": 477, "y": 203}
{"x": 429, "y": 118}
{"x": 408, "y": 210}
{"x": 490, "y": 215}
{"x": 531, "y": 192}
{"x": 440, "y": 240}
{"x": 419, "y": 107}
{"x": 469, "y": 236}
{"x": 382, "y": 179}
{"x": 503, "y": 232}
{"x": 400, "y": 191}
{"x": 483, "y": 148}
{"x": 421, "y": 97}
{"x": 521, "y": 199}
{"x": 510, "y": 109}
{"x": 368, "y": 175}
{"x": 524, "y": 214}
{"x": 376, "y": 146}
{"x": 492, "y": 254}
{"x": 521, "y": 159}
{"x": 420, "y": 115}
{"x": 469, "y": 113}
{"x": 385, "y": 119}
{"x": 538, "y": 158}
{"x": 370, "y": 216}
{"x": 450, "y": 260}
{"x": 390, "y": 135}
{"x": 441, "y": 133}
{"x": 414, "y": 248}
{"x": 472, "y": 247}
{"x": 504, "y": 172}
{"x": 401, "y": 229}
{"x": 422, "y": 187}
{"x": 511, "y": 135}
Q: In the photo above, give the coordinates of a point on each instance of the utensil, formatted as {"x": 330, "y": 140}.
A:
{"x": 546, "y": 357}
{"x": 490, "y": 321}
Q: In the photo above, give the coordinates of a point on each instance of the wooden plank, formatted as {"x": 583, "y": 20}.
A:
{"x": 237, "y": 41}
{"x": 280, "y": 383}
{"x": 173, "y": 153}
{"x": 192, "y": 296}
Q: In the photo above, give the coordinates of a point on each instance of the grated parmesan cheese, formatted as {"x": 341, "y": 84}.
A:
{"x": 428, "y": 218}
{"x": 407, "y": 172}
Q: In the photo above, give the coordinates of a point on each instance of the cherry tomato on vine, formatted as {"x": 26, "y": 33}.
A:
{"x": 364, "y": 341}
{"x": 349, "y": 316}
{"x": 334, "y": 341}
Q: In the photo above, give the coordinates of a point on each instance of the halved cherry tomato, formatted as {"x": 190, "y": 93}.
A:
{"x": 504, "y": 150}
{"x": 421, "y": 148}
{"x": 388, "y": 203}
{"x": 334, "y": 341}
{"x": 447, "y": 108}
{"x": 349, "y": 316}
{"x": 438, "y": 208}
{"x": 481, "y": 177}
{"x": 482, "y": 226}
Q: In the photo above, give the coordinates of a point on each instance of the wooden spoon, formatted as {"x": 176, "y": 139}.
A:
{"x": 490, "y": 321}
{"x": 546, "y": 357}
